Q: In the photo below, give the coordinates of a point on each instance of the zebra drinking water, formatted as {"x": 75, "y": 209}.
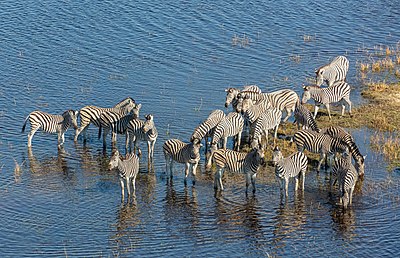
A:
{"x": 139, "y": 130}
{"x": 333, "y": 72}
{"x": 51, "y": 124}
{"x": 237, "y": 162}
{"x": 128, "y": 170}
{"x": 187, "y": 153}
{"x": 91, "y": 114}
{"x": 338, "y": 92}
{"x": 285, "y": 168}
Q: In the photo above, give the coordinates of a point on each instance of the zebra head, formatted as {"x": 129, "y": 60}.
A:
{"x": 231, "y": 94}
{"x": 115, "y": 158}
{"x": 195, "y": 150}
{"x": 135, "y": 111}
{"x": 245, "y": 104}
{"x": 360, "y": 165}
{"x": 276, "y": 156}
{"x": 70, "y": 118}
{"x": 148, "y": 124}
{"x": 319, "y": 75}
{"x": 306, "y": 94}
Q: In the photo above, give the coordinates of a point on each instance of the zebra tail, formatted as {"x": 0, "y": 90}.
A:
{"x": 23, "y": 127}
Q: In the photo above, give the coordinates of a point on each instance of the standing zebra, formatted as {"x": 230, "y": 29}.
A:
{"x": 176, "y": 150}
{"x": 51, "y": 124}
{"x": 116, "y": 122}
{"x": 285, "y": 168}
{"x": 232, "y": 93}
{"x": 270, "y": 119}
{"x": 237, "y": 162}
{"x": 333, "y": 72}
{"x": 304, "y": 117}
{"x": 347, "y": 176}
{"x": 207, "y": 127}
{"x": 318, "y": 143}
{"x": 91, "y": 114}
{"x": 282, "y": 100}
{"x": 139, "y": 130}
{"x": 128, "y": 170}
{"x": 344, "y": 136}
{"x": 231, "y": 125}
{"x": 338, "y": 92}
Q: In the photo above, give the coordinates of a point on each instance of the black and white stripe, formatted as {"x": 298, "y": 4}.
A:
{"x": 142, "y": 130}
{"x": 347, "y": 176}
{"x": 304, "y": 118}
{"x": 51, "y": 124}
{"x": 318, "y": 143}
{"x": 341, "y": 134}
{"x": 338, "y": 92}
{"x": 128, "y": 170}
{"x": 237, "y": 162}
{"x": 269, "y": 119}
{"x": 231, "y": 125}
{"x": 91, "y": 114}
{"x": 294, "y": 166}
{"x": 187, "y": 153}
{"x": 232, "y": 93}
{"x": 333, "y": 72}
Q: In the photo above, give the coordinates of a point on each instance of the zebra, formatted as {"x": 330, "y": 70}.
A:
{"x": 207, "y": 127}
{"x": 91, "y": 114}
{"x": 304, "y": 117}
{"x": 285, "y": 168}
{"x": 318, "y": 143}
{"x": 344, "y": 136}
{"x": 128, "y": 168}
{"x": 237, "y": 162}
{"x": 188, "y": 153}
{"x": 116, "y": 122}
{"x": 346, "y": 175}
{"x": 139, "y": 130}
{"x": 231, "y": 94}
{"x": 338, "y": 92}
{"x": 282, "y": 100}
{"x": 270, "y": 119}
{"x": 333, "y": 72}
{"x": 231, "y": 125}
{"x": 50, "y": 124}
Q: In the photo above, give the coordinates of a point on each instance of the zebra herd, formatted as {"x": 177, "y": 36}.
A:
{"x": 254, "y": 111}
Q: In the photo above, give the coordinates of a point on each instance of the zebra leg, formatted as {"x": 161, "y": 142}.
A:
{"x": 329, "y": 110}
{"x": 134, "y": 185}
{"x": 152, "y": 150}
{"x": 225, "y": 142}
{"x": 239, "y": 136}
{"x": 253, "y": 182}
{"x": 121, "y": 180}
{"x": 194, "y": 168}
{"x": 148, "y": 151}
{"x": 113, "y": 138}
{"x": 321, "y": 160}
{"x": 30, "y": 135}
{"x": 303, "y": 178}
{"x": 347, "y": 100}
{"x": 105, "y": 132}
{"x": 286, "y": 187}
{"x": 248, "y": 179}
{"x": 187, "y": 167}
{"x": 351, "y": 195}
{"x": 316, "y": 107}
{"x": 296, "y": 184}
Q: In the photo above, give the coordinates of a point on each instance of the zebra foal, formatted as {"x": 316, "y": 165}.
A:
{"x": 333, "y": 72}
{"x": 128, "y": 168}
{"x": 50, "y": 124}
{"x": 187, "y": 153}
{"x": 338, "y": 92}
{"x": 285, "y": 168}
{"x": 237, "y": 162}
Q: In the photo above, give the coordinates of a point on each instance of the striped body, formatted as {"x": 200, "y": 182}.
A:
{"x": 187, "y": 153}
{"x": 344, "y": 136}
{"x": 231, "y": 125}
{"x": 347, "y": 176}
{"x": 91, "y": 114}
{"x": 237, "y": 162}
{"x": 333, "y": 72}
{"x": 206, "y": 128}
{"x": 304, "y": 118}
{"x": 318, "y": 143}
{"x": 270, "y": 119}
{"x": 142, "y": 130}
{"x": 338, "y": 92}
{"x": 50, "y": 124}
{"x": 294, "y": 166}
{"x": 128, "y": 169}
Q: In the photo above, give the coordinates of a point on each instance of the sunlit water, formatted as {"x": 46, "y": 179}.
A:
{"x": 177, "y": 59}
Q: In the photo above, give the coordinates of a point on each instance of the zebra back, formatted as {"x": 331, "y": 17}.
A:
{"x": 207, "y": 125}
{"x": 333, "y": 72}
{"x": 318, "y": 142}
{"x": 230, "y": 125}
{"x": 283, "y": 99}
{"x": 238, "y": 162}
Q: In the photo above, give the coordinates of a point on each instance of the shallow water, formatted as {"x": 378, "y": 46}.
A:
{"x": 177, "y": 59}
